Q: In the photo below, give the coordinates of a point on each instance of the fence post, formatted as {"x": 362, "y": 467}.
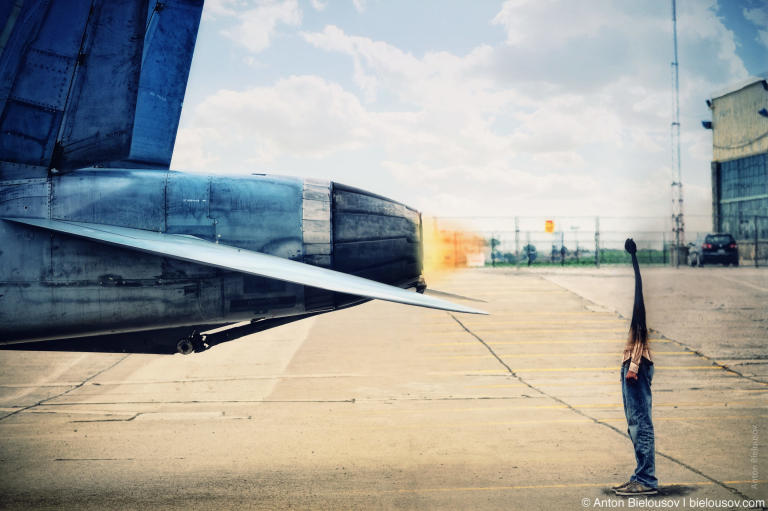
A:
{"x": 576, "y": 233}
{"x": 528, "y": 246}
{"x": 517, "y": 242}
{"x": 597, "y": 241}
{"x": 562, "y": 248}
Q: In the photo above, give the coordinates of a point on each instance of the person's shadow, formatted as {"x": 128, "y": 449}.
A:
{"x": 676, "y": 490}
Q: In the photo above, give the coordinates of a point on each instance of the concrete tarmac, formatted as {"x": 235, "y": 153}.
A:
{"x": 384, "y": 406}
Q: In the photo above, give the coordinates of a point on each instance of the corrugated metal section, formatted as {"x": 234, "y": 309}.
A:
{"x": 375, "y": 237}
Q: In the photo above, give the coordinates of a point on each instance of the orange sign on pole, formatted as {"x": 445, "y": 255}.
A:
{"x": 549, "y": 226}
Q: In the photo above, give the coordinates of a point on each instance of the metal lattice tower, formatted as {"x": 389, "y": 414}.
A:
{"x": 678, "y": 225}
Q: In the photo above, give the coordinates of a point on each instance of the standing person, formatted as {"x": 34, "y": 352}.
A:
{"x": 636, "y": 377}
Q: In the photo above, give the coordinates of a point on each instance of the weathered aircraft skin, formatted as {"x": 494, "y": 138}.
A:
{"x": 102, "y": 248}
{"x": 56, "y": 286}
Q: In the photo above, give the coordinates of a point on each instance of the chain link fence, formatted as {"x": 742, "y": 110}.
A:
{"x": 579, "y": 240}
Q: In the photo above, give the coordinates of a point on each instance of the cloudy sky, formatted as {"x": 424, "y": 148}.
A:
{"x": 468, "y": 108}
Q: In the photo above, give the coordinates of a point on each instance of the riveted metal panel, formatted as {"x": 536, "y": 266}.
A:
{"x": 27, "y": 197}
{"x": 10, "y": 171}
{"x": 29, "y": 134}
{"x": 109, "y": 75}
{"x": 51, "y": 69}
{"x": 40, "y": 51}
{"x": 188, "y": 200}
{"x": 25, "y": 257}
{"x": 53, "y": 312}
{"x": 259, "y": 213}
{"x": 126, "y": 198}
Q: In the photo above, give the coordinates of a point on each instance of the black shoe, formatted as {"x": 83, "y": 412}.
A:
{"x": 635, "y": 488}
{"x": 620, "y": 486}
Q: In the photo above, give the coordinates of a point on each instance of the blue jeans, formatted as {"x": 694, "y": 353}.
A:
{"x": 637, "y": 408}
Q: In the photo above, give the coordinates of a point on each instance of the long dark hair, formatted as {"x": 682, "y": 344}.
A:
{"x": 638, "y": 331}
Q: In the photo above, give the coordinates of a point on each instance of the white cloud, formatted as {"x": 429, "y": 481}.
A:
{"x": 304, "y": 116}
{"x": 318, "y": 5}
{"x": 570, "y": 115}
{"x": 551, "y": 22}
{"x": 759, "y": 17}
{"x": 420, "y": 82}
{"x": 195, "y": 149}
{"x": 763, "y": 37}
{"x": 257, "y": 25}
{"x": 359, "y": 5}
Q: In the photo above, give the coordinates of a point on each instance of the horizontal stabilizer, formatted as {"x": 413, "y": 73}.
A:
{"x": 196, "y": 250}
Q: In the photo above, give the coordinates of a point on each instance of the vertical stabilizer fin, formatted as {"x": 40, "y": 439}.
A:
{"x": 92, "y": 82}
{"x": 168, "y": 46}
{"x": 40, "y": 42}
{"x": 98, "y": 124}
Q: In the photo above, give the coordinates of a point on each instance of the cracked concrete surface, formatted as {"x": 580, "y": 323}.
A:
{"x": 721, "y": 312}
{"x": 388, "y": 407}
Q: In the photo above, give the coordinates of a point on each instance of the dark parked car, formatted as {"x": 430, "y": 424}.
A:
{"x": 713, "y": 249}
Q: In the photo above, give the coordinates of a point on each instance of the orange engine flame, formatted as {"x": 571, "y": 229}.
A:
{"x": 448, "y": 247}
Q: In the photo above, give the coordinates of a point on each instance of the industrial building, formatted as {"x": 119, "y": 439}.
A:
{"x": 740, "y": 164}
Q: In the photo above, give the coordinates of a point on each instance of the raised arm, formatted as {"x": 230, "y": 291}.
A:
{"x": 638, "y": 331}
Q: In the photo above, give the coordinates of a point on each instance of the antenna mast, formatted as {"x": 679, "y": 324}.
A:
{"x": 678, "y": 225}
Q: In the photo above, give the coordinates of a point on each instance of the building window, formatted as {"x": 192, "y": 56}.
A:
{"x": 744, "y": 178}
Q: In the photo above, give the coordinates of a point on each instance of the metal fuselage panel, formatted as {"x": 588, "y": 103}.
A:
{"x": 55, "y": 286}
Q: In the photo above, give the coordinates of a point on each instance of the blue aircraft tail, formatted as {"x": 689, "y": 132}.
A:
{"x": 92, "y": 82}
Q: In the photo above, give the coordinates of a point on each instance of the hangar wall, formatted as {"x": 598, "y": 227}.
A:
{"x": 740, "y": 164}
